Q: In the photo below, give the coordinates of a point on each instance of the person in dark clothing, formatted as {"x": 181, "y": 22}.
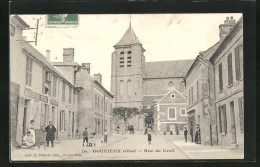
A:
{"x": 185, "y": 134}
{"x": 191, "y": 134}
{"x": 50, "y": 129}
{"x": 197, "y": 135}
{"x": 149, "y": 132}
{"x": 85, "y": 136}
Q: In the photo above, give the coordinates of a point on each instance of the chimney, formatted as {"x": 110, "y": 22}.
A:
{"x": 98, "y": 77}
{"x": 48, "y": 55}
{"x": 86, "y": 66}
{"x": 224, "y": 29}
{"x": 68, "y": 54}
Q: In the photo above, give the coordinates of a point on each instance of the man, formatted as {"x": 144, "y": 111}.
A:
{"x": 191, "y": 134}
{"x": 85, "y": 136}
{"x": 185, "y": 134}
{"x": 50, "y": 129}
{"x": 27, "y": 140}
{"x": 105, "y": 136}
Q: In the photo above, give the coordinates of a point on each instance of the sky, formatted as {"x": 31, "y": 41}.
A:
{"x": 163, "y": 36}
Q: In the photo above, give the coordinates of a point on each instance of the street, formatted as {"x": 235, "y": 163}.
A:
{"x": 126, "y": 147}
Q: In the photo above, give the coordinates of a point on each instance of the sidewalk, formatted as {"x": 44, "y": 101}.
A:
{"x": 199, "y": 151}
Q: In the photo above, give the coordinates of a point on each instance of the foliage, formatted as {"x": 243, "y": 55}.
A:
{"x": 149, "y": 114}
{"x": 125, "y": 113}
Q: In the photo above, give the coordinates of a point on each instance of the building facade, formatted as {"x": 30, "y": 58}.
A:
{"x": 229, "y": 94}
{"x": 95, "y": 103}
{"x": 38, "y": 90}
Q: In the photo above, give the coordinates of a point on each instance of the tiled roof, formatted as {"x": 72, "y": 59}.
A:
{"x": 151, "y": 99}
{"x": 128, "y": 38}
{"x": 65, "y": 63}
{"x": 164, "y": 69}
{"x": 38, "y": 56}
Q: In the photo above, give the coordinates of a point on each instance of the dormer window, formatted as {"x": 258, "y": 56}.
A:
{"x": 129, "y": 52}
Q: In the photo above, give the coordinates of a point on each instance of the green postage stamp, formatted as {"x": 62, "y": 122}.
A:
{"x": 62, "y": 20}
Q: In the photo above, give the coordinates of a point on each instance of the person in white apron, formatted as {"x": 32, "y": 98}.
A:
{"x": 31, "y": 129}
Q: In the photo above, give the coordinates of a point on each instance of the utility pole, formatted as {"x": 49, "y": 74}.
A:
{"x": 35, "y": 33}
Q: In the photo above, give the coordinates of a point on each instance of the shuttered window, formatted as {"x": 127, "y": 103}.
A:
{"x": 241, "y": 113}
{"x": 237, "y": 63}
{"x": 220, "y": 77}
{"x": 197, "y": 88}
{"x": 43, "y": 80}
{"x": 70, "y": 94}
{"x": 63, "y": 91}
{"x": 230, "y": 71}
{"x": 191, "y": 95}
{"x": 172, "y": 113}
{"x": 54, "y": 86}
{"x": 222, "y": 119}
{"x": 28, "y": 71}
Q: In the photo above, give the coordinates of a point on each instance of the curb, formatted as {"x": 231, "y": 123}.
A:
{"x": 187, "y": 154}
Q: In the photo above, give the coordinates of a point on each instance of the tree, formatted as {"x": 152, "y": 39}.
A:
{"x": 125, "y": 113}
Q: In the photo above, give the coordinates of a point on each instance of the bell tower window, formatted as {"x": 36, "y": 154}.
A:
{"x": 129, "y": 52}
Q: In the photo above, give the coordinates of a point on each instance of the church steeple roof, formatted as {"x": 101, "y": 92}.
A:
{"x": 128, "y": 38}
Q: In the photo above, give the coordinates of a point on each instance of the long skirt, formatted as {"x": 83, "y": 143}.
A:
{"x": 197, "y": 138}
{"x": 149, "y": 137}
{"x": 33, "y": 135}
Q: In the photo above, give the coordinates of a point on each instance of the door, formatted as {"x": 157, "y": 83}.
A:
{"x": 24, "y": 119}
{"x": 72, "y": 128}
{"x": 233, "y": 123}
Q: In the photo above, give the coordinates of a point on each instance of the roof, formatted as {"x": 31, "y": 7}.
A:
{"x": 151, "y": 99}
{"x": 104, "y": 89}
{"x": 38, "y": 56}
{"x": 206, "y": 55}
{"x": 167, "y": 69}
{"x": 18, "y": 18}
{"x": 65, "y": 63}
{"x": 229, "y": 37}
{"x": 128, "y": 38}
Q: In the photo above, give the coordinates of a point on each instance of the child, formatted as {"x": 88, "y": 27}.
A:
{"x": 105, "y": 136}
{"x": 27, "y": 140}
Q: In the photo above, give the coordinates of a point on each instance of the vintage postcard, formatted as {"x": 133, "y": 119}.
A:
{"x": 126, "y": 87}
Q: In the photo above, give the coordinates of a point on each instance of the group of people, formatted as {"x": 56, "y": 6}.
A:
{"x": 197, "y": 134}
{"x": 29, "y": 140}
{"x": 90, "y": 138}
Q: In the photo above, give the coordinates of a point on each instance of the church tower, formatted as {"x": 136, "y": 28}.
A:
{"x": 127, "y": 71}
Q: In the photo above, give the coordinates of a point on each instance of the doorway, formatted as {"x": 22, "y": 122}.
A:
{"x": 72, "y": 128}
{"x": 233, "y": 123}
{"x": 25, "y": 117}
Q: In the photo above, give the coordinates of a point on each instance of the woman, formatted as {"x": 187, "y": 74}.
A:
{"x": 149, "y": 132}
{"x": 197, "y": 135}
{"x": 31, "y": 129}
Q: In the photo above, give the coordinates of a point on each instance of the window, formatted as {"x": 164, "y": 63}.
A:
{"x": 129, "y": 52}
{"x": 70, "y": 94}
{"x": 121, "y": 58}
{"x": 121, "y": 61}
{"x": 102, "y": 104}
{"x": 129, "y": 65}
{"x": 12, "y": 30}
{"x": 241, "y": 113}
{"x": 237, "y": 62}
{"x": 172, "y": 96}
{"x": 121, "y": 66}
{"x": 129, "y": 61}
{"x": 96, "y": 101}
{"x": 121, "y": 88}
{"x": 220, "y": 77}
{"x": 129, "y": 57}
{"x": 172, "y": 113}
{"x": 230, "y": 71}
{"x": 222, "y": 119}
{"x": 106, "y": 107}
{"x": 63, "y": 91}
{"x": 28, "y": 71}
{"x": 183, "y": 111}
{"x": 62, "y": 121}
{"x": 197, "y": 88}
{"x": 47, "y": 82}
{"x": 191, "y": 95}
{"x": 121, "y": 53}
{"x": 54, "y": 86}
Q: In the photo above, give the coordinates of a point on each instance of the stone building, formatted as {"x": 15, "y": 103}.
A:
{"x": 227, "y": 63}
{"x": 133, "y": 80}
{"x": 38, "y": 90}
{"x": 95, "y": 102}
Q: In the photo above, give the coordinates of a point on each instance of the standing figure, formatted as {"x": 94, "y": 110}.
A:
{"x": 117, "y": 129}
{"x": 185, "y": 134}
{"x": 191, "y": 134}
{"x": 197, "y": 135}
{"x": 31, "y": 129}
{"x": 85, "y": 136}
{"x": 50, "y": 129}
{"x": 105, "y": 136}
{"x": 149, "y": 132}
